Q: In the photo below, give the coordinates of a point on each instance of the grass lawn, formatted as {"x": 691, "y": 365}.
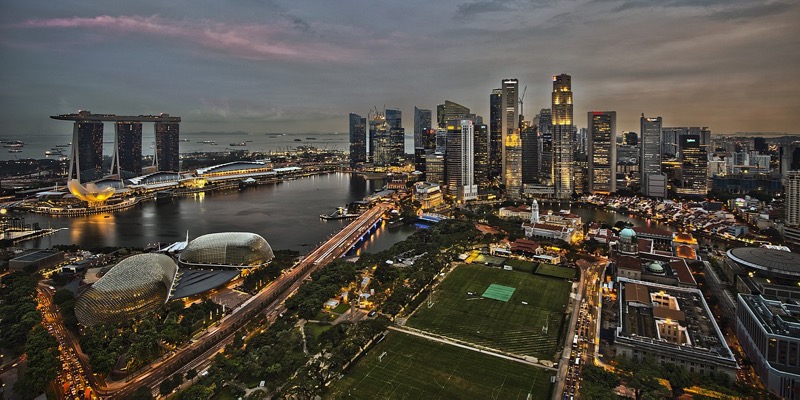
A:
{"x": 491, "y": 260}
{"x": 521, "y": 265}
{"x": 416, "y": 368}
{"x": 315, "y": 329}
{"x": 510, "y": 326}
{"x": 555, "y": 271}
{"x": 341, "y": 308}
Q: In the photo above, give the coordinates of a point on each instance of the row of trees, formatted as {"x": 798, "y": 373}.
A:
{"x": 259, "y": 278}
{"x": 18, "y": 314}
{"x": 43, "y": 365}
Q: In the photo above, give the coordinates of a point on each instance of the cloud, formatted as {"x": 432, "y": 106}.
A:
{"x": 468, "y": 10}
{"x": 261, "y": 42}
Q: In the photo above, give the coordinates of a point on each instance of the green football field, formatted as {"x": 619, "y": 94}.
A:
{"x": 416, "y": 368}
{"x": 529, "y": 329}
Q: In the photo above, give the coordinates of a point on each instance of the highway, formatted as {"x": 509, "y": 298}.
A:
{"x": 269, "y": 301}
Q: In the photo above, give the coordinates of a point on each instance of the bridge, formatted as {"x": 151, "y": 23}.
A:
{"x": 269, "y": 301}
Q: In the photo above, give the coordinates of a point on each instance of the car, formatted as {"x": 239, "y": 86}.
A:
{"x": 372, "y": 313}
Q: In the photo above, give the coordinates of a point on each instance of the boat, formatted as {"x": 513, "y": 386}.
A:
{"x": 340, "y": 213}
{"x": 164, "y": 196}
{"x": 14, "y": 151}
{"x": 56, "y": 152}
{"x": 64, "y": 145}
{"x": 185, "y": 140}
{"x": 207, "y": 142}
{"x": 239, "y": 144}
{"x": 298, "y": 140}
{"x": 311, "y": 138}
{"x": 13, "y": 145}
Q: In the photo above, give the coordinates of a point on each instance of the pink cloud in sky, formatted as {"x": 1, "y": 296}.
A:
{"x": 274, "y": 41}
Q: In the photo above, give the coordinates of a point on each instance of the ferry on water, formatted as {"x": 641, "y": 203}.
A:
{"x": 340, "y": 213}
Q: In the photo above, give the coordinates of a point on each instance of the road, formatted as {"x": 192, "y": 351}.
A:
{"x": 269, "y": 301}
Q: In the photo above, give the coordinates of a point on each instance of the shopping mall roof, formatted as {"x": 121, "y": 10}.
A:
{"x": 773, "y": 261}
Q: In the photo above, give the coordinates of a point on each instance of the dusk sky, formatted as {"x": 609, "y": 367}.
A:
{"x": 300, "y": 66}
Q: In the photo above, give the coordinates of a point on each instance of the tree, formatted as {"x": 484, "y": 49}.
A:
{"x": 191, "y": 374}
{"x": 142, "y": 393}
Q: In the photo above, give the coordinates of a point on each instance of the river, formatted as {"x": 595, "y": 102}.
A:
{"x": 285, "y": 214}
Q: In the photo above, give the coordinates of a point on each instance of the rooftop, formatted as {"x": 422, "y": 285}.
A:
{"x": 773, "y": 261}
{"x": 776, "y": 317}
{"x": 36, "y": 255}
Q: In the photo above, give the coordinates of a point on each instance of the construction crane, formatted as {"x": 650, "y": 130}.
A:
{"x": 521, "y": 98}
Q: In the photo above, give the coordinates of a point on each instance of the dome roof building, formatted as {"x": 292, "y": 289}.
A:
{"x": 628, "y": 243}
{"x": 135, "y": 286}
{"x": 230, "y": 249}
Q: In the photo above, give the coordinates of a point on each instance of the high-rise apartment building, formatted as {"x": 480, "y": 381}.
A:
{"x": 422, "y": 128}
{"x": 694, "y": 166}
{"x": 167, "y": 154}
{"x": 512, "y": 145}
{"x": 602, "y": 151}
{"x": 481, "y": 143}
{"x": 654, "y": 182}
{"x": 495, "y": 133}
{"x": 563, "y": 136}
{"x": 127, "y": 162}
{"x": 86, "y": 160}
{"x": 358, "y": 139}
{"x": 460, "y": 161}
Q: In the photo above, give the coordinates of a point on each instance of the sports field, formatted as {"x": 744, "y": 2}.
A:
{"x": 555, "y": 271}
{"x": 416, "y": 368}
{"x": 529, "y": 329}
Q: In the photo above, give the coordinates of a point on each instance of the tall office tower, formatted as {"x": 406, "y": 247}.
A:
{"x": 481, "y": 142}
{"x": 760, "y": 145}
{"x": 545, "y": 118}
{"x": 380, "y": 147}
{"x": 789, "y": 159}
{"x": 397, "y": 134}
{"x": 671, "y": 137}
{"x": 602, "y": 152}
{"x": 358, "y": 140}
{"x": 563, "y": 134}
{"x": 495, "y": 134}
{"x": 581, "y": 141}
{"x": 167, "y": 154}
{"x": 441, "y": 141}
{"x": 450, "y": 111}
{"x": 654, "y": 183}
{"x": 581, "y": 169}
{"x": 694, "y": 166}
{"x": 530, "y": 154}
{"x": 460, "y": 161}
{"x": 422, "y": 125}
{"x": 512, "y": 145}
{"x": 793, "y": 199}
{"x": 127, "y": 161}
{"x": 86, "y": 160}
{"x": 434, "y": 168}
{"x": 630, "y": 138}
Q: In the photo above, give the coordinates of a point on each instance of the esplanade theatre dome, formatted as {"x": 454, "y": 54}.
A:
{"x": 234, "y": 249}
{"x": 137, "y": 285}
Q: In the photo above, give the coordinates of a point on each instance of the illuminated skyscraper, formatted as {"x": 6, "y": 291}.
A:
{"x": 654, "y": 182}
{"x": 545, "y": 162}
{"x": 530, "y": 153}
{"x": 422, "y": 128}
{"x": 481, "y": 143}
{"x": 512, "y": 144}
{"x": 563, "y": 136}
{"x": 694, "y": 166}
{"x": 167, "y": 154}
{"x": 86, "y": 160}
{"x": 460, "y": 161}
{"x": 495, "y": 134}
{"x": 380, "y": 144}
{"x": 602, "y": 151}
{"x": 358, "y": 139}
{"x": 127, "y": 162}
{"x": 793, "y": 198}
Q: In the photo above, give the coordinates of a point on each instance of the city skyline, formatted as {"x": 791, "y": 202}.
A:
{"x": 275, "y": 67}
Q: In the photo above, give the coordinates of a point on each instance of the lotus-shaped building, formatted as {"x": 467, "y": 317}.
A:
{"x": 90, "y": 193}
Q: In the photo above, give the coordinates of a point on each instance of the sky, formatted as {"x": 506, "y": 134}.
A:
{"x": 302, "y": 66}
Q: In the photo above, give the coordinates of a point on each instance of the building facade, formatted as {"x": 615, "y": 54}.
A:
{"x": 422, "y": 128}
{"x": 545, "y": 123}
{"x": 602, "y": 151}
{"x": 512, "y": 145}
{"x": 127, "y": 161}
{"x": 654, "y": 182}
{"x": 495, "y": 133}
{"x": 358, "y": 139}
{"x": 460, "y": 161}
{"x": 563, "y": 136}
{"x": 167, "y": 154}
{"x": 481, "y": 151}
{"x": 694, "y": 166}
{"x": 86, "y": 160}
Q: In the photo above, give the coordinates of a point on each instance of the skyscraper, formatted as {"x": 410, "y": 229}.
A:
{"x": 512, "y": 145}
{"x": 422, "y": 127}
{"x": 654, "y": 182}
{"x": 602, "y": 151}
{"x": 380, "y": 143}
{"x": 793, "y": 199}
{"x": 86, "y": 160}
{"x": 563, "y": 136}
{"x": 495, "y": 134}
{"x": 167, "y": 154}
{"x": 671, "y": 138}
{"x": 397, "y": 134}
{"x": 127, "y": 161}
{"x": 358, "y": 139}
{"x": 530, "y": 153}
{"x": 481, "y": 143}
{"x": 450, "y": 111}
{"x": 694, "y": 166}
{"x": 460, "y": 161}
{"x": 545, "y": 123}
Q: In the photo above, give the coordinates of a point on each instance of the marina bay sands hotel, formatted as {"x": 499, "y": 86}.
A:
{"x": 86, "y": 157}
